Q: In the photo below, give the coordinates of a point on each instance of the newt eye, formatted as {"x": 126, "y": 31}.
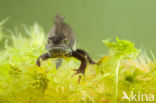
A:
{"x": 66, "y": 41}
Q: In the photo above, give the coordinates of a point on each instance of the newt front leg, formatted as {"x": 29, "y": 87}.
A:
{"x": 43, "y": 57}
{"x": 83, "y": 52}
{"x": 83, "y": 65}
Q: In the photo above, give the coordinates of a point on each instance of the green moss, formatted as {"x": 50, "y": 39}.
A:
{"x": 21, "y": 81}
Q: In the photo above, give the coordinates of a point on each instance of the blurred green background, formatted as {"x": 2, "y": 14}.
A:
{"x": 92, "y": 20}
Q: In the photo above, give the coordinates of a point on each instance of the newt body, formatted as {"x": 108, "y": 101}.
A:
{"x": 61, "y": 43}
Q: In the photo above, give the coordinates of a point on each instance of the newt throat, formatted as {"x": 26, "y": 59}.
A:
{"x": 59, "y": 50}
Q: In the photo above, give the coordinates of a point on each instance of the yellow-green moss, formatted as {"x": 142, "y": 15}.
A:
{"x": 21, "y": 81}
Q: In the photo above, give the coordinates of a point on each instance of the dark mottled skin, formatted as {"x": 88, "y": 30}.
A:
{"x": 62, "y": 43}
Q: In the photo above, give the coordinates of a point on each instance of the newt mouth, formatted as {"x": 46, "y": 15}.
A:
{"x": 59, "y": 50}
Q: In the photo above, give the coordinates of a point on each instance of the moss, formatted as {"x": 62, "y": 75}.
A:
{"x": 21, "y": 81}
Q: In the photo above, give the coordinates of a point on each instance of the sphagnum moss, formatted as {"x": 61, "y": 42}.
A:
{"x": 21, "y": 81}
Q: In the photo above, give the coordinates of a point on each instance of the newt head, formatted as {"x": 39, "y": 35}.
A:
{"x": 61, "y": 39}
{"x": 58, "y": 45}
